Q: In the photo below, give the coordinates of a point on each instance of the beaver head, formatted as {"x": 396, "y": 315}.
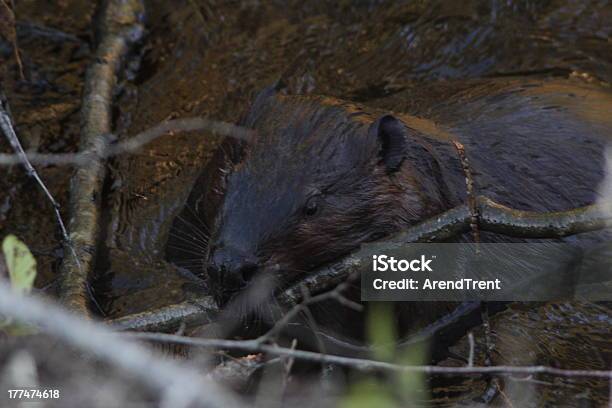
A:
{"x": 321, "y": 177}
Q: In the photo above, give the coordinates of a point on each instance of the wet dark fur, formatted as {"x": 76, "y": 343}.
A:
{"x": 324, "y": 150}
{"x": 533, "y": 145}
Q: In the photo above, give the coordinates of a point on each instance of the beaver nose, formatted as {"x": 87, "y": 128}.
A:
{"x": 229, "y": 271}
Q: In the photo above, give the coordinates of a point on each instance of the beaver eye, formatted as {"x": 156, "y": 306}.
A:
{"x": 311, "y": 207}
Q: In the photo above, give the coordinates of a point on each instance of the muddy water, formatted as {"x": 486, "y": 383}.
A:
{"x": 569, "y": 335}
{"x": 55, "y": 48}
{"x": 207, "y": 58}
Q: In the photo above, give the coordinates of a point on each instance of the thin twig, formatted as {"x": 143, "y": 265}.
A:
{"x": 471, "y": 193}
{"x": 133, "y": 144}
{"x": 288, "y": 366}
{"x": 254, "y": 346}
{"x": 486, "y": 326}
{"x": 312, "y": 322}
{"x": 493, "y": 383}
{"x": 300, "y": 307}
{"x": 471, "y": 355}
{"x": 9, "y": 132}
{"x": 169, "y": 318}
{"x": 213, "y": 127}
{"x": 121, "y": 28}
{"x": 7, "y": 30}
{"x": 506, "y": 398}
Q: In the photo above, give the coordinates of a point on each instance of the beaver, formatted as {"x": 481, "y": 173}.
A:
{"x": 323, "y": 176}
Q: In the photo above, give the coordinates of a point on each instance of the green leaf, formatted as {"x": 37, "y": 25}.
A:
{"x": 20, "y": 263}
{"x": 413, "y": 386}
{"x": 381, "y": 330}
{"x": 21, "y": 267}
{"x": 11, "y": 328}
{"x": 368, "y": 393}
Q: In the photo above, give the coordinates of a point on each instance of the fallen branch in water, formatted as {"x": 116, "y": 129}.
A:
{"x": 120, "y": 29}
{"x": 132, "y": 144}
{"x": 255, "y": 346}
{"x": 189, "y": 313}
{"x": 179, "y": 385}
{"x": 6, "y": 126}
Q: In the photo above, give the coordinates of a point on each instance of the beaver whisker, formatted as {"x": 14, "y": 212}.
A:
{"x": 187, "y": 249}
{"x": 189, "y": 242}
{"x": 196, "y": 258}
{"x": 191, "y": 262}
{"x": 193, "y": 211}
{"x": 192, "y": 238}
{"x": 194, "y": 228}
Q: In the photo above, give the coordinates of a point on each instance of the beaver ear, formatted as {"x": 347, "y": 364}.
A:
{"x": 391, "y": 134}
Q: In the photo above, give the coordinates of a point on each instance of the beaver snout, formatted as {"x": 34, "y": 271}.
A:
{"x": 229, "y": 271}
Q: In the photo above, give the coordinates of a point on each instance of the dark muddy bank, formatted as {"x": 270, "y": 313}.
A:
{"x": 211, "y": 59}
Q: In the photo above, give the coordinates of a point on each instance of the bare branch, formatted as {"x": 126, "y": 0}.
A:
{"x": 471, "y": 355}
{"x": 132, "y": 144}
{"x": 182, "y": 125}
{"x": 255, "y": 346}
{"x": 469, "y": 186}
{"x": 493, "y": 217}
{"x": 298, "y": 308}
{"x": 197, "y": 311}
{"x": 120, "y": 27}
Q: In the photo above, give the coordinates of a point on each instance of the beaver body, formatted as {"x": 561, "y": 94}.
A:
{"x": 323, "y": 176}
